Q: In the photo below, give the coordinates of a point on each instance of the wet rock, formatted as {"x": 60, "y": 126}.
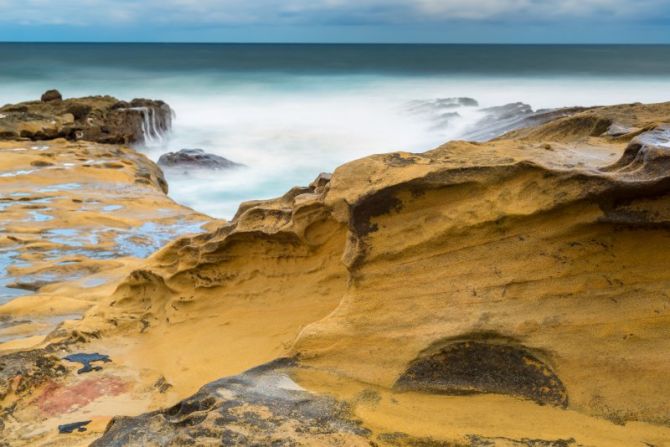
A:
{"x": 31, "y": 286}
{"x": 262, "y": 406}
{"x": 442, "y": 103}
{"x": 51, "y": 95}
{"x": 86, "y": 360}
{"x": 195, "y": 159}
{"x": 102, "y": 119}
{"x": 442, "y": 111}
{"x": 499, "y": 120}
{"x": 74, "y": 426}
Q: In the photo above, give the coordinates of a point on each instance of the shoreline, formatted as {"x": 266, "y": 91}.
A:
{"x": 397, "y": 301}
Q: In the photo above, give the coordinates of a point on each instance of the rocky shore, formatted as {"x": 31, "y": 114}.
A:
{"x": 100, "y": 119}
{"x": 511, "y": 292}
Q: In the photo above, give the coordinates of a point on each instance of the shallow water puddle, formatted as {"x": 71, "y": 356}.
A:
{"x": 61, "y": 187}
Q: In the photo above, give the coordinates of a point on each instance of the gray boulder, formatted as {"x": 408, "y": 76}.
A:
{"x": 196, "y": 159}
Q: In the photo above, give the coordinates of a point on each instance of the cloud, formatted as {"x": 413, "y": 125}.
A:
{"x": 283, "y": 12}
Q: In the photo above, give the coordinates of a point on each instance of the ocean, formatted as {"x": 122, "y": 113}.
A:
{"x": 291, "y": 111}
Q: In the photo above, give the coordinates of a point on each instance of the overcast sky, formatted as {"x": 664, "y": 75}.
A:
{"x": 513, "y": 21}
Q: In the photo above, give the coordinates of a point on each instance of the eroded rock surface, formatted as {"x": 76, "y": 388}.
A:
{"x": 263, "y": 406}
{"x": 101, "y": 119}
{"x": 512, "y": 292}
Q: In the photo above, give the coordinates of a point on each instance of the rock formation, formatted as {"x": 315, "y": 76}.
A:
{"x": 507, "y": 293}
{"x": 195, "y": 159}
{"x": 101, "y": 119}
{"x": 70, "y": 210}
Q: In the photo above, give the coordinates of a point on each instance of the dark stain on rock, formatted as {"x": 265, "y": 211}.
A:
{"x": 383, "y": 202}
{"x": 469, "y": 367}
{"x": 74, "y": 426}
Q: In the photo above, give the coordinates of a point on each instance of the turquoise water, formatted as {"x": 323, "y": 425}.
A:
{"x": 289, "y": 112}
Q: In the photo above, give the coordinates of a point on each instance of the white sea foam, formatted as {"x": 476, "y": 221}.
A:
{"x": 288, "y": 128}
{"x": 286, "y": 134}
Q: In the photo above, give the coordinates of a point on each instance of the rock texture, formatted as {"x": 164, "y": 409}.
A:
{"x": 101, "y": 119}
{"x": 263, "y": 406}
{"x": 507, "y": 293}
{"x": 195, "y": 159}
{"x": 69, "y": 211}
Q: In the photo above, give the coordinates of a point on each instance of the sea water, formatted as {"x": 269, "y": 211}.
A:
{"x": 289, "y": 112}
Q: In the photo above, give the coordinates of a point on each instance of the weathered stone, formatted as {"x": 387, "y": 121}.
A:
{"x": 263, "y": 406}
{"x": 51, "y": 95}
{"x": 195, "y": 159}
{"x": 100, "y": 119}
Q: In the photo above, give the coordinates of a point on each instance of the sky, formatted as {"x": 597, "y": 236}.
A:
{"x": 392, "y": 21}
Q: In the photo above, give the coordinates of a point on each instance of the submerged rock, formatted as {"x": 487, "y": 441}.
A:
{"x": 195, "y": 159}
{"x": 101, "y": 119}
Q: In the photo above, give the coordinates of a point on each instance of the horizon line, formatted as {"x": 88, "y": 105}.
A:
{"x": 139, "y": 42}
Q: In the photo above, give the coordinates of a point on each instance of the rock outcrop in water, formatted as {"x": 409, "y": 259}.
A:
{"x": 101, "y": 119}
{"x": 195, "y": 159}
{"x": 507, "y": 293}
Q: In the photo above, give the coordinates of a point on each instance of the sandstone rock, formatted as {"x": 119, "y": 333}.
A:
{"x": 459, "y": 297}
{"x": 507, "y": 293}
{"x": 51, "y": 95}
{"x": 195, "y": 159}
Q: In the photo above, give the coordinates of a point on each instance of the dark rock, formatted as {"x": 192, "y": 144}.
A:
{"x": 32, "y": 286}
{"x": 51, "y": 95}
{"x": 121, "y": 105}
{"x": 74, "y": 426}
{"x": 101, "y": 119}
{"x": 485, "y": 366}
{"x": 79, "y": 111}
{"x": 196, "y": 158}
{"x": 259, "y": 407}
{"x": 86, "y": 360}
{"x": 506, "y": 118}
{"x": 41, "y": 163}
{"x": 30, "y": 368}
